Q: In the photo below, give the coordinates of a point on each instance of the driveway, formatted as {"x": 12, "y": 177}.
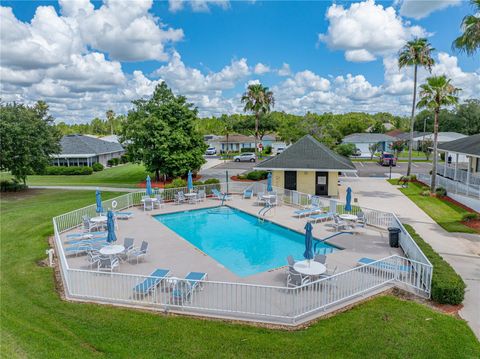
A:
{"x": 461, "y": 250}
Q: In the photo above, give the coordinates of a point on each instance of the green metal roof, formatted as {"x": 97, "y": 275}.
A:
{"x": 308, "y": 154}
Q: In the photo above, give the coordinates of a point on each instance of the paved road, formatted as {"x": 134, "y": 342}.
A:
{"x": 461, "y": 250}
{"x": 365, "y": 169}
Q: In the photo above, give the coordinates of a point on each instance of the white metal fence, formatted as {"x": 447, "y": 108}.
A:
{"x": 248, "y": 301}
{"x": 461, "y": 176}
{"x": 451, "y": 186}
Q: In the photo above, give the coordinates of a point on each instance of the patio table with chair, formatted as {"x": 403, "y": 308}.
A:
{"x": 191, "y": 197}
{"x": 309, "y": 267}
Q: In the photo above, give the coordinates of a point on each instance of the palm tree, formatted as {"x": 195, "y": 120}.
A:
{"x": 435, "y": 93}
{"x": 415, "y": 53}
{"x": 258, "y": 99}
{"x": 469, "y": 41}
{"x": 227, "y": 127}
{"x": 110, "y": 118}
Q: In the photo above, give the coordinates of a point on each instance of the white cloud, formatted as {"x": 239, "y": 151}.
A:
{"x": 419, "y": 9}
{"x": 193, "y": 81}
{"x": 197, "y": 5}
{"x": 469, "y": 82}
{"x": 284, "y": 70}
{"x": 355, "y": 87}
{"x": 261, "y": 69}
{"x": 365, "y": 30}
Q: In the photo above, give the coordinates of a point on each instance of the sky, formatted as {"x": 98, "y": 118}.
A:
{"x": 86, "y": 57}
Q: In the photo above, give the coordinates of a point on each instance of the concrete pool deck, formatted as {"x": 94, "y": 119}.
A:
{"x": 170, "y": 251}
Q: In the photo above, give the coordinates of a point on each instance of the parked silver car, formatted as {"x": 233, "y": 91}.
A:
{"x": 245, "y": 157}
{"x": 211, "y": 151}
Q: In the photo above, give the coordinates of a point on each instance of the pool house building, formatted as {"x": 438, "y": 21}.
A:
{"x": 308, "y": 166}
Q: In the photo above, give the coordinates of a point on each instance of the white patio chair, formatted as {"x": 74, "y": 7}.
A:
{"x": 159, "y": 202}
{"x": 93, "y": 257}
{"x": 201, "y": 195}
{"x": 108, "y": 263}
{"x": 139, "y": 253}
{"x": 295, "y": 279}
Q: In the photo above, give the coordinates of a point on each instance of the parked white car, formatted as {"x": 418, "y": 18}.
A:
{"x": 211, "y": 151}
{"x": 280, "y": 150}
{"x": 245, "y": 157}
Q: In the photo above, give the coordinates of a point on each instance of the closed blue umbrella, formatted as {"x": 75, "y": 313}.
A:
{"x": 149, "y": 186}
{"x": 269, "y": 182}
{"x": 111, "y": 237}
{"x": 190, "y": 181}
{"x": 308, "y": 254}
{"x": 98, "y": 197}
{"x": 348, "y": 204}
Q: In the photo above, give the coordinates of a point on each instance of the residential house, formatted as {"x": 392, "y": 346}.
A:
{"x": 308, "y": 166}
{"x": 362, "y": 142}
{"x": 81, "y": 150}
{"x": 417, "y": 138}
{"x": 236, "y": 142}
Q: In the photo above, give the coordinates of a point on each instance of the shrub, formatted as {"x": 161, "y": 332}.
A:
{"x": 68, "y": 171}
{"x": 97, "y": 167}
{"x": 12, "y": 186}
{"x": 247, "y": 149}
{"x": 110, "y": 163}
{"x": 257, "y": 175}
{"x": 197, "y": 183}
{"x": 211, "y": 181}
{"x": 447, "y": 286}
{"x": 441, "y": 192}
{"x": 124, "y": 159}
{"x": 116, "y": 161}
{"x": 413, "y": 178}
{"x": 177, "y": 183}
{"x": 268, "y": 150}
{"x": 425, "y": 193}
{"x": 346, "y": 149}
{"x": 469, "y": 217}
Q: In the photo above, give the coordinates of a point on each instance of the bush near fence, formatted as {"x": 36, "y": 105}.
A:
{"x": 68, "y": 171}
{"x": 447, "y": 286}
{"x": 12, "y": 186}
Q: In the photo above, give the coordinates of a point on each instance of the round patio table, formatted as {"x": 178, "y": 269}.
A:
{"x": 309, "y": 267}
{"x": 348, "y": 217}
{"x": 99, "y": 219}
{"x": 191, "y": 197}
{"x": 268, "y": 196}
{"x": 112, "y": 250}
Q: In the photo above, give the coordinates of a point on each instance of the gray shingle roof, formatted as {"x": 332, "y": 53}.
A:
{"x": 469, "y": 145}
{"x": 308, "y": 153}
{"x": 416, "y": 134}
{"x": 81, "y": 145}
{"x": 367, "y": 138}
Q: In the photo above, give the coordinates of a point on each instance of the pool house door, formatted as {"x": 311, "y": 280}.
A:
{"x": 291, "y": 180}
{"x": 321, "y": 183}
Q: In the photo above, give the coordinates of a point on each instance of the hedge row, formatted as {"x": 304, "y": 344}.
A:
{"x": 68, "y": 171}
{"x": 12, "y": 186}
{"x": 447, "y": 286}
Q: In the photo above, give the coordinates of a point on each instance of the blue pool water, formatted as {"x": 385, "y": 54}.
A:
{"x": 237, "y": 240}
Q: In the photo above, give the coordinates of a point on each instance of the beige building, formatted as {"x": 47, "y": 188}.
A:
{"x": 308, "y": 166}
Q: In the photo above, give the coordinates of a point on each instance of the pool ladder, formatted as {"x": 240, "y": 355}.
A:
{"x": 263, "y": 211}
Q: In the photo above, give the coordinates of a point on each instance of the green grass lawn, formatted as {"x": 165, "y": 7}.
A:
{"x": 415, "y": 155}
{"x": 36, "y": 323}
{"x": 446, "y": 214}
{"x": 121, "y": 176}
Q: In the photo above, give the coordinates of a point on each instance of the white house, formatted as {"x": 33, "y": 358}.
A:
{"x": 81, "y": 150}
{"x": 236, "y": 142}
{"x": 362, "y": 142}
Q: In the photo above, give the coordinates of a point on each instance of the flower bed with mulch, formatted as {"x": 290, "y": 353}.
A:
{"x": 162, "y": 184}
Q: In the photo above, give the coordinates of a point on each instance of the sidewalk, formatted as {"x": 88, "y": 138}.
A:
{"x": 461, "y": 250}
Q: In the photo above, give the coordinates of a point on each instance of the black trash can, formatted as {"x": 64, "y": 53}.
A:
{"x": 393, "y": 236}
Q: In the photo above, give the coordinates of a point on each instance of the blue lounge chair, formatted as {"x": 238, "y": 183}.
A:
{"x": 86, "y": 235}
{"x": 320, "y": 217}
{"x": 306, "y": 212}
{"x": 383, "y": 265}
{"x": 151, "y": 282}
{"x": 123, "y": 215}
{"x": 248, "y": 193}
{"x": 73, "y": 242}
{"x": 185, "y": 287}
{"x": 219, "y": 195}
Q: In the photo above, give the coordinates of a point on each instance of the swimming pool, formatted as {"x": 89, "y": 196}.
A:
{"x": 238, "y": 240}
